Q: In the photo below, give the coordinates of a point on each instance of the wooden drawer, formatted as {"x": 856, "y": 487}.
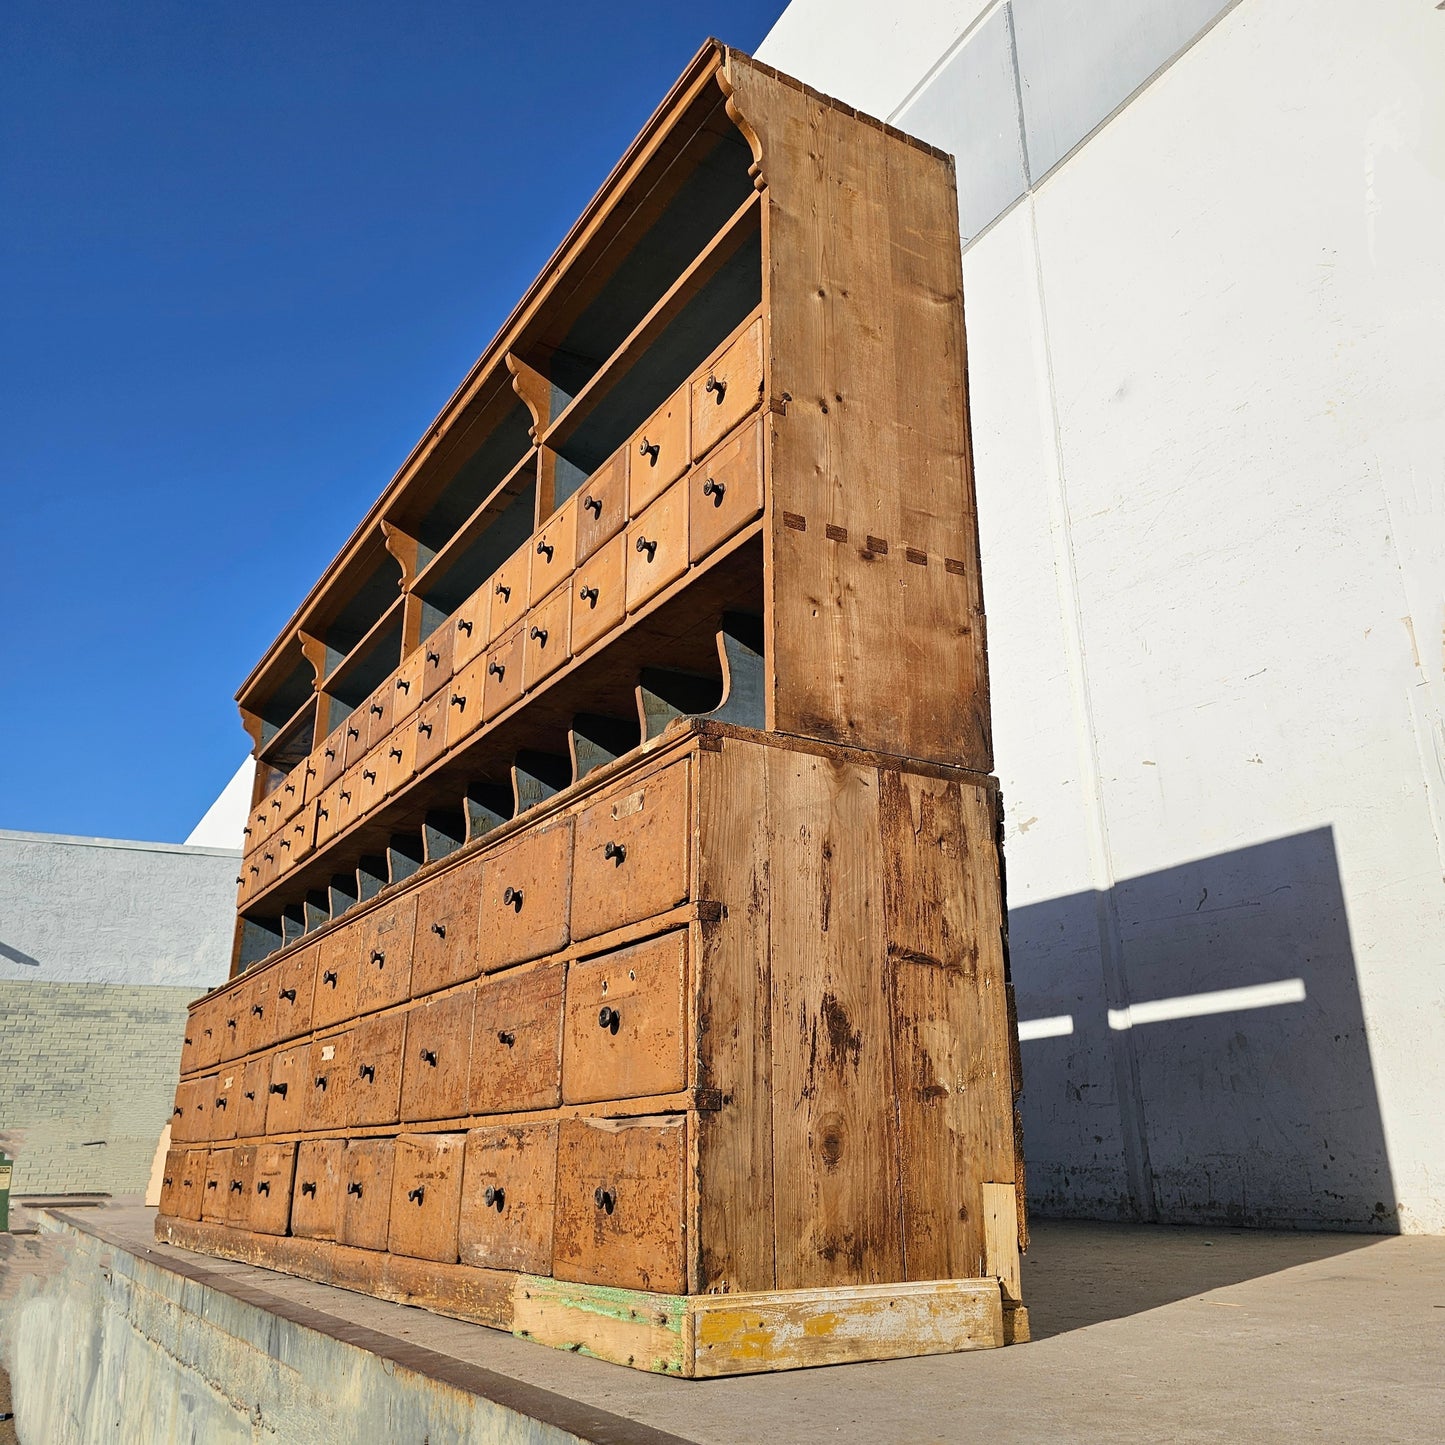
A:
{"x": 337, "y": 962}
{"x": 328, "y": 815}
{"x": 242, "y": 1173}
{"x": 194, "y": 1019}
{"x": 658, "y": 454}
{"x": 553, "y": 553}
{"x": 401, "y": 755}
{"x": 632, "y": 853}
{"x": 171, "y": 1183}
{"x": 657, "y": 547}
{"x": 292, "y": 985}
{"x": 383, "y": 974}
{"x": 507, "y": 599}
{"x": 254, "y": 1095}
{"x": 548, "y": 638}
{"x": 503, "y": 672}
{"x": 296, "y": 789}
{"x": 517, "y": 1042}
{"x": 373, "y": 1095}
{"x": 624, "y": 1035}
{"x": 436, "y": 654}
{"x": 271, "y": 1180}
{"x": 602, "y": 506}
{"x": 333, "y": 755}
{"x": 366, "y": 1168}
{"x": 407, "y": 687}
{"x": 376, "y": 711}
{"x": 438, "y": 1053}
{"x": 725, "y": 492}
{"x": 255, "y": 1015}
{"x": 287, "y": 1091}
{"x": 728, "y": 389}
{"x": 190, "y": 1184}
{"x": 426, "y": 1194}
{"x": 194, "y": 1100}
{"x": 316, "y": 1196}
{"x": 233, "y": 1018}
{"x": 464, "y": 701}
{"x": 445, "y": 950}
{"x": 215, "y": 1197}
{"x": 224, "y": 1095}
{"x": 327, "y": 1084}
{"x": 620, "y": 1202}
{"x": 207, "y": 1025}
{"x": 372, "y": 780}
{"x": 348, "y": 798}
{"x": 525, "y": 889}
{"x": 431, "y": 731}
{"x": 508, "y": 1194}
{"x": 353, "y": 737}
{"x": 599, "y": 594}
{"x": 469, "y": 623}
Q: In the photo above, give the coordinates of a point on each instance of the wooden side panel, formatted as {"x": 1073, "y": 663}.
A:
{"x": 517, "y": 1042}
{"x": 507, "y": 1197}
{"x": 953, "y": 1085}
{"x": 877, "y": 626}
{"x": 1001, "y": 1238}
{"x": 835, "y": 1142}
{"x": 734, "y": 1248}
{"x": 426, "y": 1192}
{"x": 316, "y": 1195}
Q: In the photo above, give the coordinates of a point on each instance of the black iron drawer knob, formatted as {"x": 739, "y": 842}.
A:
{"x": 221, "y": 1102}
{"x": 417, "y": 1195}
{"x": 588, "y": 595}
{"x": 507, "y": 1037}
{"x": 394, "y": 753}
{"x": 230, "y": 1024}
{"x": 512, "y": 898}
{"x": 369, "y": 774}
{"x": 367, "y": 1072}
{"x": 545, "y": 549}
{"x": 279, "y": 1089}
{"x": 286, "y": 843}
{"x": 263, "y": 1186}
{"x": 290, "y": 787}
{"x": 650, "y": 450}
{"x": 352, "y": 732}
{"x": 377, "y": 709}
{"x": 429, "y": 1056}
{"x": 168, "y": 1181}
{"x": 247, "y": 830}
{"x": 251, "y": 1095}
{"x": 331, "y": 753}
{"x": 236, "y": 1186}
{"x": 177, "y": 1112}
{"x": 269, "y": 857}
{"x": 309, "y": 1187}
{"x": 354, "y": 1189}
{"x": 256, "y": 1010}
{"x": 440, "y": 929}
{"x": 716, "y": 386}
{"x": 539, "y": 634}
{"x": 404, "y": 683}
{"x": 345, "y": 795}
{"x": 323, "y": 812}
{"x": 608, "y": 1018}
{"x": 495, "y": 1198}
{"x": 643, "y": 545}
{"x": 424, "y": 727}
{"x": 256, "y": 867}
{"x": 210, "y": 1184}
{"x": 495, "y": 669}
{"x": 289, "y": 994}
{"x": 714, "y": 489}
{"x": 458, "y": 700}
{"x": 208, "y": 1033}
{"x": 378, "y": 957}
{"x": 321, "y": 1082}
{"x": 464, "y": 624}
{"x": 593, "y": 505}
{"x": 605, "y": 1199}
{"x": 276, "y": 803}
{"x": 328, "y": 975}
{"x": 504, "y": 592}
{"x": 433, "y": 657}
{"x": 617, "y": 852}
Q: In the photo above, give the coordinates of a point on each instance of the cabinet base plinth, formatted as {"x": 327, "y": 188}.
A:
{"x": 690, "y": 1336}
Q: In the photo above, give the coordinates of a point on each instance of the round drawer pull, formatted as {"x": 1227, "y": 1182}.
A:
{"x": 643, "y": 545}
{"x": 394, "y": 753}
{"x": 464, "y": 624}
{"x": 289, "y": 994}
{"x": 588, "y": 595}
{"x": 417, "y": 1195}
{"x": 367, "y": 1072}
{"x": 328, "y": 975}
{"x": 545, "y": 549}
{"x": 429, "y": 1056}
{"x": 378, "y": 957}
{"x": 650, "y": 450}
{"x": 369, "y": 774}
{"x": 495, "y": 669}
{"x": 236, "y": 1186}
{"x": 539, "y": 634}
{"x": 377, "y": 709}
{"x": 608, "y": 1018}
{"x": 716, "y": 386}
{"x": 279, "y": 1089}
{"x": 512, "y": 898}
{"x": 507, "y": 1037}
{"x": 433, "y": 657}
{"x": 321, "y": 1082}
{"x": 593, "y": 505}
{"x": 617, "y": 852}
{"x": 714, "y": 489}
{"x": 354, "y": 1188}
{"x": 504, "y": 592}
{"x": 440, "y": 929}
{"x": 495, "y": 1197}
{"x": 309, "y": 1187}
{"x": 458, "y": 700}
{"x": 263, "y": 1186}
{"x": 605, "y": 1199}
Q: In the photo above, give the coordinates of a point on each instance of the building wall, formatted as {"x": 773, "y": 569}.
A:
{"x": 1203, "y": 294}
{"x": 102, "y": 945}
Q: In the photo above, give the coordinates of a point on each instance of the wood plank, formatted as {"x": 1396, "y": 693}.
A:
{"x": 645, "y": 1331}
{"x": 1001, "y": 1238}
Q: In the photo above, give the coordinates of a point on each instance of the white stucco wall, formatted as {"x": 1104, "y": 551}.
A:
{"x": 1206, "y": 351}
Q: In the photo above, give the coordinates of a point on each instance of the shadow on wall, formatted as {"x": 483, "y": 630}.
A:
{"x": 1194, "y": 1048}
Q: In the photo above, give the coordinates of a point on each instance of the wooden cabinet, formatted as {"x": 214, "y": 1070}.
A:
{"x": 426, "y": 1191}
{"x": 508, "y": 1192}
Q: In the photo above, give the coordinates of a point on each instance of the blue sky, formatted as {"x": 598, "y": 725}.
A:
{"x": 247, "y": 253}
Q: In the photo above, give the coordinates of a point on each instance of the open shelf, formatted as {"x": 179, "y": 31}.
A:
{"x": 370, "y": 660}
{"x": 291, "y": 742}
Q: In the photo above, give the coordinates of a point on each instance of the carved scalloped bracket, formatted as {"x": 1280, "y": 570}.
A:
{"x": 314, "y": 651}
{"x": 536, "y": 392}
{"x": 252, "y": 723}
{"x": 750, "y": 135}
{"x": 404, "y": 549}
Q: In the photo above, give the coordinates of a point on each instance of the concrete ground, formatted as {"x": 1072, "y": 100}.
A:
{"x": 1141, "y": 1334}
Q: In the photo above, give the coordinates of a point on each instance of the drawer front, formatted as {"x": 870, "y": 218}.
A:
{"x": 728, "y": 389}
{"x": 632, "y": 853}
{"x": 657, "y": 547}
{"x": 620, "y": 1202}
{"x": 599, "y": 594}
{"x": 328, "y": 818}
{"x": 183, "y": 1128}
{"x": 207, "y": 1025}
{"x": 366, "y": 1168}
{"x": 334, "y": 998}
{"x": 401, "y": 755}
{"x": 438, "y": 1054}
{"x": 353, "y": 735}
{"x": 254, "y": 1097}
{"x": 287, "y": 1091}
{"x": 296, "y": 787}
{"x": 447, "y": 910}
{"x": 292, "y": 987}
{"x": 658, "y": 453}
{"x": 384, "y": 972}
{"x": 224, "y": 1095}
{"x": 469, "y": 623}
{"x": 271, "y": 1181}
{"x": 602, "y": 506}
{"x": 377, "y": 710}
{"x": 426, "y": 1194}
{"x": 327, "y": 1083}
{"x": 233, "y": 1010}
{"x": 192, "y": 1183}
{"x": 431, "y": 731}
{"x": 507, "y": 599}
{"x": 625, "y": 1031}
{"x": 436, "y": 654}
{"x": 189, "y": 1039}
{"x": 406, "y": 687}
{"x": 525, "y": 891}
{"x": 200, "y": 1108}
{"x": 238, "y": 1186}
{"x": 215, "y": 1197}
{"x": 171, "y": 1183}
{"x": 372, "y": 780}
{"x": 333, "y": 755}
{"x": 373, "y": 1094}
{"x": 503, "y": 682}
{"x": 316, "y": 1195}
{"x": 255, "y": 1015}
{"x": 548, "y": 637}
{"x": 552, "y": 553}
{"x": 508, "y": 1194}
{"x": 464, "y": 701}
{"x": 725, "y": 492}
{"x": 348, "y": 798}
{"x": 517, "y": 1042}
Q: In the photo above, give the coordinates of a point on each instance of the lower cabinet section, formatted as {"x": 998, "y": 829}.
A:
{"x": 508, "y": 1193}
